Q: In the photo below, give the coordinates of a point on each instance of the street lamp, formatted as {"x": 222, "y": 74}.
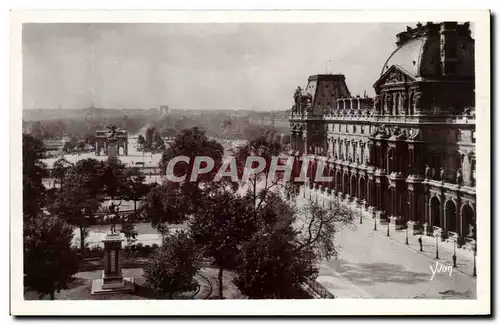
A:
{"x": 437, "y": 246}
{"x": 360, "y": 213}
{"x": 406, "y": 242}
{"x": 455, "y": 253}
{"x": 374, "y": 222}
{"x": 475, "y": 253}
{"x": 388, "y": 224}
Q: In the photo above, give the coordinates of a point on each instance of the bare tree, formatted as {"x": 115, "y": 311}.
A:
{"x": 317, "y": 226}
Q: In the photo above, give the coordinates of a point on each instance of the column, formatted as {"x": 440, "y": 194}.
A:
{"x": 97, "y": 148}
{"x": 359, "y": 106}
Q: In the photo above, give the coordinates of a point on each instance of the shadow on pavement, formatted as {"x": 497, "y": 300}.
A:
{"x": 372, "y": 273}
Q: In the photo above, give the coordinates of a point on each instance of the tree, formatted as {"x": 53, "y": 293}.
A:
{"x": 172, "y": 267}
{"x": 269, "y": 266}
{"x": 114, "y": 180}
{"x": 150, "y": 131}
{"x": 318, "y": 226}
{"x": 191, "y": 143}
{"x": 165, "y": 204}
{"x": 283, "y": 252}
{"x": 49, "y": 260}
{"x": 128, "y": 230}
{"x": 59, "y": 169}
{"x": 71, "y": 145}
{"x": 220, "y": 225}
{"x": 34, "y": 170}
{"x": 264, "y": 147}
{"x": 81, "y": 196}
{"x": 135, "y": 188}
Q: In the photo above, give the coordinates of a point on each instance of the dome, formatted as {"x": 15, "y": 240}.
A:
{"x": 407, "y": 57}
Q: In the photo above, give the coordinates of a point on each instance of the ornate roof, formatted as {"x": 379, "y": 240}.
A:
{"x": 407, "y": 57}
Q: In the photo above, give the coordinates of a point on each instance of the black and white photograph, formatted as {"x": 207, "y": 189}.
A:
{"x": 339, "y": 165}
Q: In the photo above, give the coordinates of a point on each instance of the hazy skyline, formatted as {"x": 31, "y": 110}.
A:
{"x": 195, "y": 66}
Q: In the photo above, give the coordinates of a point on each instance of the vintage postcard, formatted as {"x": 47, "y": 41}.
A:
{"x": 250, "y": 163}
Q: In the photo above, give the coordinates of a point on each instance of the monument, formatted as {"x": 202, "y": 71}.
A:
{"x": 112, "y": 280}
{"x": 112, "y": 146}
{"x": 118, "y": 137}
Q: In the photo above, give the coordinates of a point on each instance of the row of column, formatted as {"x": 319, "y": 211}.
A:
{"x": 406, "y": 201}
{"x": 347, "y": 103}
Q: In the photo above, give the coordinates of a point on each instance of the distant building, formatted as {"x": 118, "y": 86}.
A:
{"x": 54, "y": 147}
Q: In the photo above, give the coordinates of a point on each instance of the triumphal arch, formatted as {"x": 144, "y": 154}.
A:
{"x": 102, "y": 138}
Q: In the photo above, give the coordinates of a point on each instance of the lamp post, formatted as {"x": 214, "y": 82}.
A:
{"x": 360, "y": 213}
{"x": 374, "y": 222}
{"x": 437, "y": 246}
{"x": 406, "y": 242}
{"x": 388, "y": 225}
{"x": 455, "y": 253}
{"x": 475, "y": 253}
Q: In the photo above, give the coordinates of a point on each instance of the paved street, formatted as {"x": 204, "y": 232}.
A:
{"x": 371, "y": 265}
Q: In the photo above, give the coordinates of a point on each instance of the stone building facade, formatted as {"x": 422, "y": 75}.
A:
{"x": 407, "y": 155}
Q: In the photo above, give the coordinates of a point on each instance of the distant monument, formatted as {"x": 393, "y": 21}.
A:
{"x": 111, "y": 143}
{"x": 112, "y": 280}
{"x": 114, "y": 137}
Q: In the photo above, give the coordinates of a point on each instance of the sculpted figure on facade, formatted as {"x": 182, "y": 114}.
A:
{"x": 377, "y": 103}
{"x": 307, "y": 103}
{"x": 459, "y": 177}
{"x": 395, "y": 77}
{"x": 441, "y": 173}
{"x": 381, "y": 130}
{"x": 427, "y": 172}
{"x": 417, "y": 101}
{"x": 396, "y": 130}
{"x": 388, "y": 103}
{"x": 297, "y": 96}
{"x": 403, "y": 102}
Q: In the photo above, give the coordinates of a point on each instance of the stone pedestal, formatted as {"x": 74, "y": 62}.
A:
{"x": 382, "y": 217}
{"x": 112, "y": 150}
{"x": 428, "y": 229}
{"x": 112, "y": 280}
{"x": 414, "y": 228}
{"x": 397, "y": 223}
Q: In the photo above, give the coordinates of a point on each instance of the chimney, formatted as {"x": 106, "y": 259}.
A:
{"x": 402, "y": 38}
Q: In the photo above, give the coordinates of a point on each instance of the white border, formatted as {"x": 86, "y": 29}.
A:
{"x": 481, "y": 21}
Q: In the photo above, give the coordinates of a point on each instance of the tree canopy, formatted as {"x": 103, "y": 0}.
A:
{"x": 49, "y": 260}
{"x": 171, "y": 268}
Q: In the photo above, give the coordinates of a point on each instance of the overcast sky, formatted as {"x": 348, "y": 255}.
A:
{"x": 195, "y": 66}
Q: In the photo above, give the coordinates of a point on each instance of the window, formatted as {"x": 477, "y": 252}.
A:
{"x": 354, "y": 129}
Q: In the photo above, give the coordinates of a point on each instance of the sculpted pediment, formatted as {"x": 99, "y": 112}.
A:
{"x": 394, "y": 75}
